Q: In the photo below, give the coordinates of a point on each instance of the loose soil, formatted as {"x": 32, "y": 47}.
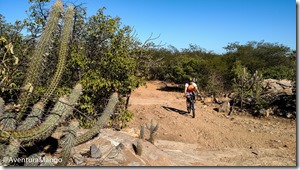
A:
{"x": 236, "y": 140}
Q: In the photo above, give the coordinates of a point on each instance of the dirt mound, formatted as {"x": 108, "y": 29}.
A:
{"x": 214, "y": 138}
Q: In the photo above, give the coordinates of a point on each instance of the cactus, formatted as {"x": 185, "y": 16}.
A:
{"x": 61, "y": 111}
{"x": 34, "y": 157}
{"x": 142, "y": 132}
{"x": 247, "y": 84}
{"x": 33, "y": 118}
{"x": 35, "y": 68}
{"x": 62, "y": 54}
{"x": 153, "y": 131}
{"x": 8, "y": 121}
{"x": 139, "y": 148}
{"x": 1, "y": 106}
{"x": 68, "y": 143}
{"x": 16, "y": 131}
{"x": 39, "y": 132}
{"x": 101, "y": 121}
{"x": 12, "y": 150}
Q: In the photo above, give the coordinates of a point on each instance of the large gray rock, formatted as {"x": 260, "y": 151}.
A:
{"x": 78, "y": 159}
{"x": 95, "y": 152}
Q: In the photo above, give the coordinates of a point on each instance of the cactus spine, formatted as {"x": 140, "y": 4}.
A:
{"x": 101, "y": 121}
{"x": 35, "y": 68}
{"x": 68, "y": 21}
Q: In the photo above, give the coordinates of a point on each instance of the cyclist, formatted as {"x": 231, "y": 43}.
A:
{"x": 189, "y": 91}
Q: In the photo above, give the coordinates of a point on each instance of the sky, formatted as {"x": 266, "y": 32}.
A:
{"x": 209, "y": 24}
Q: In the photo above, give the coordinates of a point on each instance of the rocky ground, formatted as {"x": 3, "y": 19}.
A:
{"x": 210, "y": 139}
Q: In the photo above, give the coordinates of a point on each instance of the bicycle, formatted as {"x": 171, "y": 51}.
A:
{"x": 190, "y": 98}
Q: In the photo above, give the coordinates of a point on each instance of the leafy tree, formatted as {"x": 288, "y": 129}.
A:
{"x": 13, "y": 49}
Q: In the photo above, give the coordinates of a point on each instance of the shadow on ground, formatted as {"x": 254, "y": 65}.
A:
{"x": 171, "y": 89}
{"x": 182, "y": 112}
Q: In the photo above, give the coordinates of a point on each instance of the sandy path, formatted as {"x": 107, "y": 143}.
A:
{"x": 238, "y": 139}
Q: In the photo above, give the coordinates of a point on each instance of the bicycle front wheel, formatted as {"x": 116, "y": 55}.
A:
{"x": 193, "y": 108}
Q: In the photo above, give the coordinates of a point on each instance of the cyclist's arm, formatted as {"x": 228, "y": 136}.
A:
{"x": 197, "y": 90}
{"x": 185, "y": 88}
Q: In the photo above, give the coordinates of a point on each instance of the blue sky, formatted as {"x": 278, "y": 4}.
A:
{"x": 210, "y": 24}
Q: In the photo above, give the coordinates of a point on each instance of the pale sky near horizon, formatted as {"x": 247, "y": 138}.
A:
{"x": 210, "y": 24}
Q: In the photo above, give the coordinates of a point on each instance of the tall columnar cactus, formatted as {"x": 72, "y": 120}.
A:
{"x": 33, "y": 128}
{"x": 36, "y": 68}
{"x": 68, "y": 22}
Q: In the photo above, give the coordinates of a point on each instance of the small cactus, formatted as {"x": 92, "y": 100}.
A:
{"x": 153, "y": 131}
{"x": 139, "y": 148}
{"x": 142, "y": 132}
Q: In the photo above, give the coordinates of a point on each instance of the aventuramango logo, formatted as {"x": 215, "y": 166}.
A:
{"x": 31, "y": 160}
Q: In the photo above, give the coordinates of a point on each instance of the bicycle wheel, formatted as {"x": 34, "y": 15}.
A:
{"x": 193, "y": 108}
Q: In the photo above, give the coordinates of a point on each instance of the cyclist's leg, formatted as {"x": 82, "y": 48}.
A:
{"x": 193, "y": 99}
{"x": 188, "y": 107}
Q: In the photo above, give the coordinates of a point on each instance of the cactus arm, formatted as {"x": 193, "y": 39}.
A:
{"x": 8, "y": 121}
{"x": 101, "y": 121}
{"x": 12, "y": 150}
{"x": 1, "y": 106}
{"x": 33, "y": 118}
{"x": 68, "y": 143}
{"x": 60, "y": 112}
{"x": 65, "y": 37}
{"x": 35, "y": 68}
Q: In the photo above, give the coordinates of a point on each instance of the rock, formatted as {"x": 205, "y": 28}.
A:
{"x": 78, "y": 159}
{"x": 95, "y": 152}
{"x": 224, "y": 107}
{"x": 274, "y": 87}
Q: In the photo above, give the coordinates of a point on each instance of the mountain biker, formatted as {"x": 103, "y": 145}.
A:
{"x": 189, "y": 90}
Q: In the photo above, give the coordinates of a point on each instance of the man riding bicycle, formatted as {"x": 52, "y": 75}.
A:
{"x": 189, "y": 91}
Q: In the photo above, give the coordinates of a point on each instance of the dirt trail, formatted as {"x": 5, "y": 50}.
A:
{"x": 237, "y": 140}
